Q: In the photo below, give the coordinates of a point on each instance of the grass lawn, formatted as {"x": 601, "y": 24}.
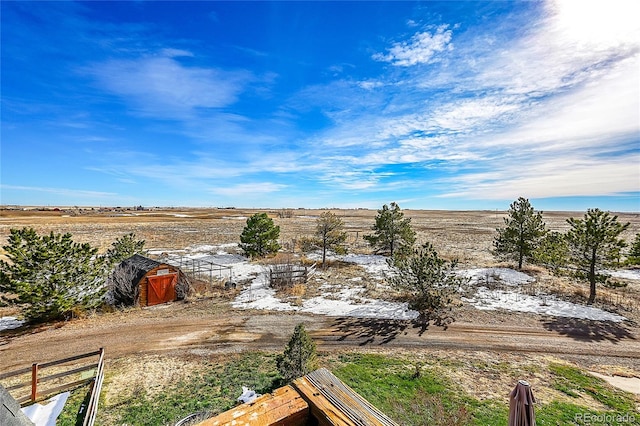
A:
{"x": 411, "y": 393}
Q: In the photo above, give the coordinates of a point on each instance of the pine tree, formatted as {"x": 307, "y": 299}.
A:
{"x": 330, "y": 233}
{"x": 427, "y": 283}
{"x": 633, "y": 258}
{"x": 123, "y": 248}
{"x": 552, "y": 252}
{"x": 594, "y": 244}
{"x": 522, "y": 233}
{"x": 51, "y": 277}
{"x": 260, "y": 236}
{"x": 299, "y": 357}
{"x": 392, "y": 232}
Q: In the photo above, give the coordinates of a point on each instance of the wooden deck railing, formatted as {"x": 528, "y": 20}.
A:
{"x": 38, "y": 392}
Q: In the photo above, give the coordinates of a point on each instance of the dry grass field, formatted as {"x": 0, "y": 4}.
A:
{"x": 463, "y": 235}
{"x": 467, "y": 235}
{"x": 486, "y": 351}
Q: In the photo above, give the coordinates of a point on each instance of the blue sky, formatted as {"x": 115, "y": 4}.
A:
{"x": 433, "y": 105}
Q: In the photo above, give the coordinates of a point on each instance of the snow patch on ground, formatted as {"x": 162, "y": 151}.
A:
{"x": 511, "y": 297}
{"x": 8, "y": 323}
{"x": 375, "y": 265}
{"x": 489, "y": 300}
{"x": 194, "y": 251}
{"x": 496, "y": 275}
{"x": 627, "y": 274}
{"x": 207, "y": 248}
{"x": 348, "y": 300}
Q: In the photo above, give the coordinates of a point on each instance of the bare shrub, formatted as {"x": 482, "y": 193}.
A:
{"x": 285, "y": 213}
{"x": 298, "y": 290}
{"x": 307, "y": 244}
{"x": 580, "y": 293}
{"x": 121, "y": 291}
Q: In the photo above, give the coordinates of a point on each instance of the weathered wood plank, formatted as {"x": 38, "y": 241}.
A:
{"x": 283, "y": 407}
{"x": 334, "y": 403}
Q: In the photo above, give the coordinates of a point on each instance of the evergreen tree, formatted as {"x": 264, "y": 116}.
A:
{"x": 427, "y": 282}
{"x": 299, "y": 357}
{"x": 392, "y": 232}
{"x": 123, "y": 248}
{"x": 51, "y": 277}
{"x": 633, "y": 258}
{"x": 260, "y": 236}
{"x": 330, "y": 233}
{"x": 522, "y": 232}
{"x": 594, "y": 244}
{"x": 552, "y": 252}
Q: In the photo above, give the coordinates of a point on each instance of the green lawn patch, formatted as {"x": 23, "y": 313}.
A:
{"x": 574, "y": 383}
{"x": 413, "y": 394}
{"x": 214, "y": 390}
{"x": 392, "y": 385}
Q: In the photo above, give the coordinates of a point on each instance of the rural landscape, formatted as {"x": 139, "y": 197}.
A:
{"x": 170, "y": 360}
{"x": 320, "y": 213}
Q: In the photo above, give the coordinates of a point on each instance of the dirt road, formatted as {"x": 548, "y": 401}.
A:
{"x": 200, "y": 330}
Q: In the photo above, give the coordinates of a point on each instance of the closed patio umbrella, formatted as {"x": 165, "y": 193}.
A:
{"x": 521, "y": 401}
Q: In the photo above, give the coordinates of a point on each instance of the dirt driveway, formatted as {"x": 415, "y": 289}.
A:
{"x": 211, "y": 327}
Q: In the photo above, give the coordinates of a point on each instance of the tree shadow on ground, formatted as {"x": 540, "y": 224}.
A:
{"x": 367, "y": 330}
{"x": 588, "y": 330}
{"x": 8, "y": 334}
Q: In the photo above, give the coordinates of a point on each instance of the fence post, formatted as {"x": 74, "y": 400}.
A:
{"x": 34, "y": 381}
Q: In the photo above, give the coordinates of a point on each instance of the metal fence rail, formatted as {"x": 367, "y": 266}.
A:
{"x": 201, "y": 269}
{"x": 38, "y": 392}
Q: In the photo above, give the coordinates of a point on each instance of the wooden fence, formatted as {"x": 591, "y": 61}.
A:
{"x": 287, "y": 275}
{"x": 38, "y": 392}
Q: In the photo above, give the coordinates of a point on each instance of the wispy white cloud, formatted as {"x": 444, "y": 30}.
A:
{"x": 248, "y": 189}
{"x": 175, "y": 53}
{"x": 162, "y": 87}
{"x": 420, "y": 49}
{"x": 543, "y": 115}
{"x": 540, "y": 100}
{"x": 66, "y": 192}
{"x": 370, "y": 84}
{"x": 553, "y": 177}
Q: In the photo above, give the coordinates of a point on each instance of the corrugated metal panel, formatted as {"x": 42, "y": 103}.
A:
{"x": 334, "y": 403}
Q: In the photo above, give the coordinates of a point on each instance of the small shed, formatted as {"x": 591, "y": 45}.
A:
{"x": 141, "y": 281}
